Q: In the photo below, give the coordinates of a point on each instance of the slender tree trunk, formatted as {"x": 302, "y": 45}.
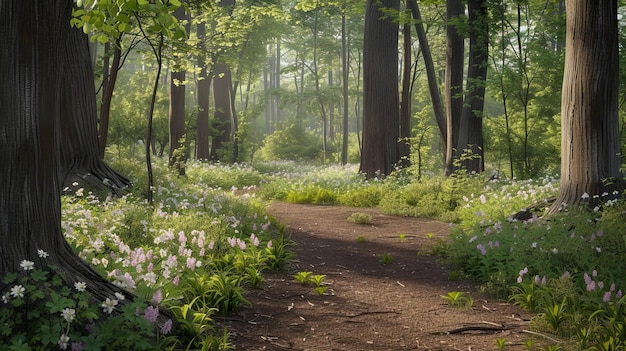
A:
{"x": 404, "y": 148}
{"x": 204, "y": 89}
{"x": 433, "y": 84}
{"x": 454, "y": 81}
{"x": 318, "y": 92}
{"x": 344, "y": 72}
{"x": 471, "y": 125}
{"x": 381, "y": 112}
{"x": 590, "y": 139}
{"x": 177, "y": 154}
{"x": 107, "y": 96}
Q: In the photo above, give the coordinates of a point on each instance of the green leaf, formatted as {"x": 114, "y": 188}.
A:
{"x": 9, "y": 278}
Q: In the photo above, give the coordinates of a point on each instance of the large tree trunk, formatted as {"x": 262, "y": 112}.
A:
{"x": 589, "y": 118}
{"x": 80, "y": 161}
{"x": 34, "y": 48}
{"x": 471, "y": 125}
{"x": 454, "y": 81}
{"x": 380, "y": 90}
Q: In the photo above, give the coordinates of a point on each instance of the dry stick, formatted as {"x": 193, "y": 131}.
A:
{"x": 478, "y": 328}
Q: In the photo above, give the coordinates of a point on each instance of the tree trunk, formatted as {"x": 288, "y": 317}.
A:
{"x": 380, "y": 90}
{"x": 344, "y": 72}
{"x": 471, "y": 125}
{"x": 107, "y": 96}
{"x": 589, "y": 118}
{"x": 454, "y": 81}
{"x": 177, "y": 153}
{"x": 80, "y": 161}
{"x": 433, "y": 84}
{"x": 35, "y": 35}
{"x": 204, "y": 90}
{"x": 404, "y": 148}
{"x": 222, "y": 124}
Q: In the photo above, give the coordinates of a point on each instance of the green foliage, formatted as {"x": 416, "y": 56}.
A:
{"x": 360, "y": 218}
{"x": 42, "y": 313}
{"x": 386, "y": 259}
{"x": 291, "y": 143}
{"x": 366, "y": 196}
{"x": 308, "y": 278}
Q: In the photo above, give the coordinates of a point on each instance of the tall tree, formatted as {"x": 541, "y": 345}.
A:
{"x": 433, "y": 84}
{"x": 34, "y": 56}
{"x": 471, "y": 124}
{"x": 222, "y": 116}
{"x": 405, "y": 97}
{"x": 380, "y": 89}
{"x": 177, "y": 153}
{"x": 454, "y": 79}
{"x": 344, "y": 84}
{"x": 204, "y": 89}
{"x": 590, "y": 140}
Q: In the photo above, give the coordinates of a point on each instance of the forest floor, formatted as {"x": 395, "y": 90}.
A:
{"x": 369, "y": 305}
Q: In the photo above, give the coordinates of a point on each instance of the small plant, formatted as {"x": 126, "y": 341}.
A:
{"x": 500, "y": 343}
{"x": 386, "y": 258}
{"x": 316, "y": 280}
{"x": 458, "y": 299}
{"x": 555, "y": 314}
{"x": 302, "y": 277}
{"x": 361, "y": 239}
{"x": 360, "y": 218}
{"x": 529, "y": 344}
{"x": 402, "y": 237}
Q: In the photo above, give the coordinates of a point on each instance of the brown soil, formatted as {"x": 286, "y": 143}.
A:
{"x": 369, "y": 305}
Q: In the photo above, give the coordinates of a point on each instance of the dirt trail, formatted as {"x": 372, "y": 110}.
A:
{"x": 369, "y": 305}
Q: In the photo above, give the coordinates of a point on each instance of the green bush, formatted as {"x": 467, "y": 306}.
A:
{"x": 291, "y": 143}
{"x": 368, "y": 196}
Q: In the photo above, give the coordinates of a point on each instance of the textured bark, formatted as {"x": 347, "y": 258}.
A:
{"x": 471, "y": 124}
{"x": 433, "y": 84}
{"x": 380, "y": 90}
{"x": 80, "y": 160}
{"x": 589, "y": 118}
{"x": 454, "y": 81}
{"x": 34, "y": 35}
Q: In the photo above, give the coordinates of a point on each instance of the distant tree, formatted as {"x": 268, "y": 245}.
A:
{"x": 455, "y": 47}
{"x": 471, "y": 123}
{"x": 380, "y": 89}
{"x": 590, "y": 163}
{"x": 178, "y": 82}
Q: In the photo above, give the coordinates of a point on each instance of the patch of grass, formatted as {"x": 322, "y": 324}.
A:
{"x": 361, "y": 239}
{"x": 360, "y": 218}
{"x": 386, "y": 259}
